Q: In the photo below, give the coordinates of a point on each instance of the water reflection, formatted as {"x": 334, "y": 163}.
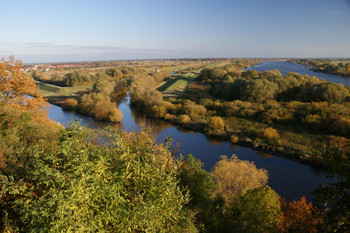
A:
{"x": 264, "y": 155}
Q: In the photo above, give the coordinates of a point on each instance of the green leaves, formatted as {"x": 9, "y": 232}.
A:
{"x": 129, "y": 185}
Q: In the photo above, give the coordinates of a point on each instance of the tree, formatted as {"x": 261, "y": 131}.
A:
{"x": 24, "y": 126}
{"x": 335, "y": 197}
{"x": 216, "y": 122}
{"x": 69, "y": 103}
{"x": 131, "y": 185}
{"x": 18, "y": 90}
{"x": 104, "y": 87}
{"x": 269, "y": 133}
{"x": 114, "y": 73}
{"x": 259, "y": 90}
{"x": 299, "y": 216}
{"x": 347, "y": 67}
{"x": 201, "y": 187}
{"x": 100, "y": 107}
{"x": 256, "y": 212}
{"x": 235, "y": 177}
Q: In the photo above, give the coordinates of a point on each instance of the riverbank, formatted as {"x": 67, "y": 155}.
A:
{"x": 245, "y": 141}
{"x": 288, "y": 177}
{"x": 334, "y": 67}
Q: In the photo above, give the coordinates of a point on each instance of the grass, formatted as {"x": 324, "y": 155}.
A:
{"x": 175, "y": 87}
{"x": 52, "y": 90}
{"x": 218, "y": 64}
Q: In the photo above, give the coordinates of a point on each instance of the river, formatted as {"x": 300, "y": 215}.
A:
{"x": 285, "y": 67}
{"x": 288, "y": 178}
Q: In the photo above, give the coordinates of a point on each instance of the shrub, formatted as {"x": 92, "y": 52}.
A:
{"x": 341, "y": 127}
{"x": 69, "y": 103}
{"x": 183, "y": 119}
{"x": 269, "y": 133}
{"x": 234, "y": 138}
{"x": 216, "y": 122}
{"x": 107, "y": 111}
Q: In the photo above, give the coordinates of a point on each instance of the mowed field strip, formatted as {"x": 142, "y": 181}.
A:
{"x": 176, "y": 86}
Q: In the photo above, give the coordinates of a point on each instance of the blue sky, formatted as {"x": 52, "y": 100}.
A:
{"x": 79, "y": 30}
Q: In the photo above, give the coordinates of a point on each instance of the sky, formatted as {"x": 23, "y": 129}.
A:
{"x": 86, "y": 30}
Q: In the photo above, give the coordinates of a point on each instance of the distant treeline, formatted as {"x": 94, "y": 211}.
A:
{"x": 85, "y": 77}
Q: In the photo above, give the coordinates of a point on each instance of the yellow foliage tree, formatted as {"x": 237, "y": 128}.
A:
{"x": 235, "y": 177}
{"x": 269, "y": 133}
{"x": 18, "y": 90}
{"x": 216, "y": 122}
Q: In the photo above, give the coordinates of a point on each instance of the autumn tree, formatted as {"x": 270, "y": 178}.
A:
{"x": 19, "y": 91}
{"x": 235, "y": 177}
{"x": 347, "y": 66}
{"x": 69, "y": 103}
{"x": 104, "y": 87}
{"x": 299, "y": 216}
{"x": 259, "y": 90}
{"x": 216, "y": 122}
{"x": 24, "y": 126}
{"x": 100, "y": 107}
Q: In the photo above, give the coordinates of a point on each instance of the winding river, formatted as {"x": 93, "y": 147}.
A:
{"x": 288, "y": 178}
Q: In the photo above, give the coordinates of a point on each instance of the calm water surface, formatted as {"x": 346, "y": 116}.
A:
{"x": 288, "y": 178}
{"x": 285, "y": 67}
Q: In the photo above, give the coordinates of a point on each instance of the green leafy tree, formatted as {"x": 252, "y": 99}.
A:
{"x": 104, "y": 87}
{"x": 129, "y": 186}
{"x": 335, "y": 197}
{"x": 201, "y": 187}
{"x": 259, "y": 90}
{"x": 257, "y": 211}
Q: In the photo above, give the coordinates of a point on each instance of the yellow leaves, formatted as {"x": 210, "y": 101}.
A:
{"x": 235, "y": 177}
{"x": 19, "y": 91}
{"x": 216, "y": 122}
{"x": 269, "y": 133}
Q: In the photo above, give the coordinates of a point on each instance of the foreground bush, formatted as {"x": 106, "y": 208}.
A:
{"x": 128, "y": 186}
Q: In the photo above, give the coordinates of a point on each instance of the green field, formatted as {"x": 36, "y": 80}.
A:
{"x": 52, "y": 90}
{"x": 217, "y": 64}
{"x": 175, "y": 87}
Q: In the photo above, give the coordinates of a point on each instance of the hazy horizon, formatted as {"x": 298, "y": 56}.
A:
{"x": 71, "y": 31}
